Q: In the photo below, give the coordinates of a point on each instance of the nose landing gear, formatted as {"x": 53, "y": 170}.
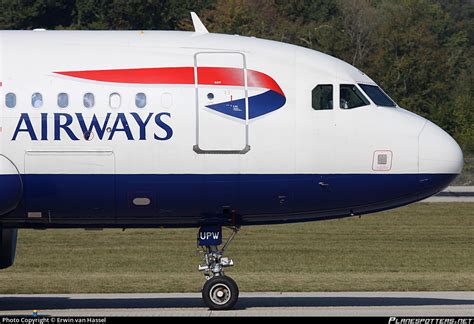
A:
{"x": 220, "y": 292}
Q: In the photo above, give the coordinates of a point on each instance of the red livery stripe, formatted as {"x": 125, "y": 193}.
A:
{"x": 171, "y": 75}
{"x": 179, "y": 75}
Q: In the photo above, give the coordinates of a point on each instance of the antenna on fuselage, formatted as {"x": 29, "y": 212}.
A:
{"x": 198, "y": 25}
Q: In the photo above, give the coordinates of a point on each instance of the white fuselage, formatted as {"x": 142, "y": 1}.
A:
{"x": 177, "y": 132}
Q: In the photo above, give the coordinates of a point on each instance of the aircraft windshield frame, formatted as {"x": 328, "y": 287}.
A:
{"x": 377, "y": 95}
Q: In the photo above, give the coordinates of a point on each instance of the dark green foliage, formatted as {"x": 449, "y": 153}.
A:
{"x": 96, "y": 14}
{"x": 133, "y": 14}
{"x": 28, "y": 14}
{"x": 419, "y": 50}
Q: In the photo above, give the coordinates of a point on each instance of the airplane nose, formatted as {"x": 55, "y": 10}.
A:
{"x": 438, "y": 152}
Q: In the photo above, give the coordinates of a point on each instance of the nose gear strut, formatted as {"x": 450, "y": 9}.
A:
{"x": 220, "y": 292}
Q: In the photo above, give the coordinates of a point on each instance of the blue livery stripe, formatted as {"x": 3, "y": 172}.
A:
{"x": 259, "y": 105}
{"x": 184, "y": 200}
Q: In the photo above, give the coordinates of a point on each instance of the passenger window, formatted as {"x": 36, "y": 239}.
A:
{"x": 37, "y": 100}
{"x": 351, "y": 97}
{"x": 140, "y": 100}
{"x": 89, "y": 100}
{"x": 10, "y": 100}
{"x": 322, "y": 97}
{"x": 63, "y": 100}
{"x": 115, "y": 100}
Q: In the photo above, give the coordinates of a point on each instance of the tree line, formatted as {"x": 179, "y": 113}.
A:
{"x": 420, "y": 51}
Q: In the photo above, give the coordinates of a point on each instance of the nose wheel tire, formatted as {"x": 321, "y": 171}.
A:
{"x": 220, "y": 293}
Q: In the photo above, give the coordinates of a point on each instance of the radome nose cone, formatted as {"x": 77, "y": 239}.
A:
{"x": 439, "y": 152}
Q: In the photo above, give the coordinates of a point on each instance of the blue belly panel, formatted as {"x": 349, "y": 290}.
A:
{"x": 194, "y": 199}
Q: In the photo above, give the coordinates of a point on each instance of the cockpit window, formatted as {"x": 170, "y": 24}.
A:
{"x": 377, "y": 95}
{"x": 322, "y": 97}
{"x": 351, "y": 97}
